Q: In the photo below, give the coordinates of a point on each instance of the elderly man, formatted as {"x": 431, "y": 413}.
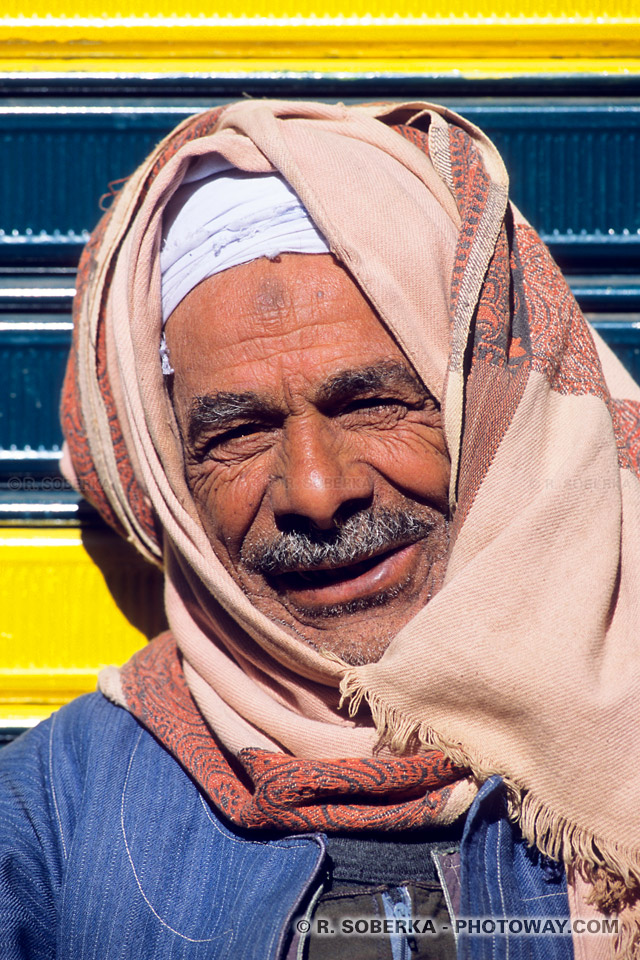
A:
{"x": 328, "y": 379}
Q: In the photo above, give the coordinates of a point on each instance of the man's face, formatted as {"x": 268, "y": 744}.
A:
{"x": 315, "y": 456}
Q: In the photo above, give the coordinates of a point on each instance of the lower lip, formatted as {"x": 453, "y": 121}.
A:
{"x": 392, "y": 571}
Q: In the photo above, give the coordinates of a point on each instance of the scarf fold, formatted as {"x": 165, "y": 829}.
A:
{"x": 526, "y": 663}
{"x": 266, "y": 790}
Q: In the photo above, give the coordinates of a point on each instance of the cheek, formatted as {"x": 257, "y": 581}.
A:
{"x": 227, "y": 499}
{"x": 413, "y": 459}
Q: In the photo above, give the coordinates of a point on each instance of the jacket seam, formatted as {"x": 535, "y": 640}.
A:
{"x": 53, "y": 788}
{"x": 142, "y": 893}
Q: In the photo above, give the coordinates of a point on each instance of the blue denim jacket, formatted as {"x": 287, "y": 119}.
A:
{"x": 109, "y": 850}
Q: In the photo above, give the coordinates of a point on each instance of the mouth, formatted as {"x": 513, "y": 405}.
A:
{"x": 333, "y": 585}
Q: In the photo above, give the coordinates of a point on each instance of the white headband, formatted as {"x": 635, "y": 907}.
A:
{"x": 221, "y": 217}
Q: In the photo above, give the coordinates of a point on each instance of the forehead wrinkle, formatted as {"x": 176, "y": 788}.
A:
{"x": 270, "y": 344}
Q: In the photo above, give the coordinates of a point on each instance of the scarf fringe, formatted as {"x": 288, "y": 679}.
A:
{"x": 626, "y": 945}
{"x": 612, "y": 872}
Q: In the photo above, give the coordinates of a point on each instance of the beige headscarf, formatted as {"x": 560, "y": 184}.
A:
{"x": 526, "y": 662}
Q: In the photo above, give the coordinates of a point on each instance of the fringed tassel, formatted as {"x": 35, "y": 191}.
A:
{"x": 626, "y": 945}
{"x": 612, "y": 896}
{"x": 613, "y": 873}
{"x": 557, "y": 838}
{"x": 400, "y": 734}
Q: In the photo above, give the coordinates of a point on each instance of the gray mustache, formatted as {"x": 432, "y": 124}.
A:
{"x": 359, "y": 537}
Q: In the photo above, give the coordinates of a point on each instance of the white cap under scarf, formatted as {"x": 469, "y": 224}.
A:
{"x": 221, "y": 217}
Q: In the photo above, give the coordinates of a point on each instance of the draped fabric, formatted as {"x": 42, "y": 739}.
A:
{"x": 525, "y": 663}
{"x": 266, "y": 790}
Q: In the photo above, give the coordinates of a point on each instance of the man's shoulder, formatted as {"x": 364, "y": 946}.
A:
{"x": 91, "y": 801}
{"x": 84, "y": 725}
{"x": 48, "y": 768}
{"x": 88, "y": 722}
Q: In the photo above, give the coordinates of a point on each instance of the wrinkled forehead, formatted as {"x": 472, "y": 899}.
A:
{"x": 297, "y": 326}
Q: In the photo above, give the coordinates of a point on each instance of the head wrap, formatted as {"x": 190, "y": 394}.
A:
{"x": 221, "y": 217}
{"x": 526, "y": 662}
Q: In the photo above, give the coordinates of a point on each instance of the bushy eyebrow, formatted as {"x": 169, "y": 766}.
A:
{"x": 381, "y": 376}
{"x": 226, "y": 408}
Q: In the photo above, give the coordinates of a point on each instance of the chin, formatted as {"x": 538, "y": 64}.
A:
{"x": 357, "y": 631}
{"x": 356, "y": 650}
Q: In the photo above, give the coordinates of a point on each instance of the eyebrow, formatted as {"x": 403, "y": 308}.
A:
{"x": 226, "y": 408}
{"x": 351, "y": 383}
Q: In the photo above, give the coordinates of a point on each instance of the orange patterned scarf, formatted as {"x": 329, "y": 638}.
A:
{"x": 270, "y": 791}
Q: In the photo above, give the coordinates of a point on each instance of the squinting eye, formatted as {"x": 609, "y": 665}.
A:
{"x": 374, "y": 403}
{"x": 245, "y": 431}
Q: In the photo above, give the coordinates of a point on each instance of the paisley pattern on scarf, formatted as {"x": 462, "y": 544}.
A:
{"x": 271, "y": 791}
{"x": 626, "y": 421}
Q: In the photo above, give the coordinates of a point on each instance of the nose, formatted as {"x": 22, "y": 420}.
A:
{"x": 319, "y": 478}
